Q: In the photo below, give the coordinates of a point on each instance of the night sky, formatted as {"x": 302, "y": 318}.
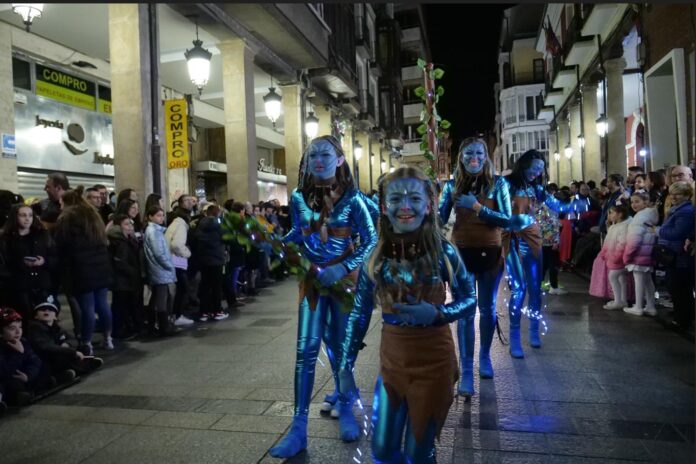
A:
{"x": 464, "y": 43}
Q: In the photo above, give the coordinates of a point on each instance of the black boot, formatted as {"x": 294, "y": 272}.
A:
{"x": 165, "y": 327}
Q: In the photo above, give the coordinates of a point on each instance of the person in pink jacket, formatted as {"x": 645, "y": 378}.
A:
{"x": 613, "y": 252}
{"x": 640, "y": 240}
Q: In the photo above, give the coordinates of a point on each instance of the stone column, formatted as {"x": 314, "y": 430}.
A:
{"x": 616, "y": 156}
{"x": 129, "y": 50}
{"x": 575, "y": 126}
{"x": 364, "y": 161}
{"x": 292, "y": 115}
{"x": 324, "y": 114}
{"x": 347, "y": 145}
{"x": 8, "y": 166}
{"x": 240, "y": 123}
{"x": 563, "y": 164}
{"x": 553, "y": 164}
{"x": 376, "y": 148}
{"x": 593, "y": 150}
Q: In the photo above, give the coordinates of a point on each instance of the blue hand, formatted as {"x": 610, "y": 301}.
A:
{"x": 466, "y": 201}
{"x": 332, "y": 274}
{"x": 421, "y": 313}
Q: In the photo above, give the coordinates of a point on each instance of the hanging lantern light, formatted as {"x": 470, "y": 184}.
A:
{"x": 198, "y": 62}
{"x": 28, "y": 11}
{"x": 392, "y": 169}
{"x": 311, "y": 125}
{"x": 383, "y": 165}
{"x": 643, "y": 152}
{"x": 272, "y": 103}
{"x": 357, "y": 151}
{"x": 602, "y": 126}
{"x": 581, "y": 141}
{"x": 557, "y": 156}
{"x": 568, "y": 151}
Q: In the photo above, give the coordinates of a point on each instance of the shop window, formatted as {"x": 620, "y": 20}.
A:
{"x": 21, "y": 74}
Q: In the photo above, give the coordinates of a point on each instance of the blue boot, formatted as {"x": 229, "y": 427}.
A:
{"x": 466, "y": 339}
{"x": 329, "y": 402}
{"x": 516, "y": 343}
{"x": 534, "y": 339}
{"x": 486, "y": 330}
{"x": 294, "y": 442}
{"x": 348, "y": 426}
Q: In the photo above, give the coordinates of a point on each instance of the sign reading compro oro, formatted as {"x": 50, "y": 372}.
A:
{"x": 65, "y": 88}
{"x": 176, "y": 131}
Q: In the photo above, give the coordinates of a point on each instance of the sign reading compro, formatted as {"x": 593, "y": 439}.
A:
{"x": 176, "y": 131}
{"x": 65, "y": 88}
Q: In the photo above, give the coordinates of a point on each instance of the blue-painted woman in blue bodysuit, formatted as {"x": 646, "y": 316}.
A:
{"x": 482, "y": 203}
{"x": 522, "y": 243}
{"x": 406, "y": 274}
{"x": 326, "y": 210}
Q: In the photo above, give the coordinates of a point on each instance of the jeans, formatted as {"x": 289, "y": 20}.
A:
{"x": 89, "y": 303}
{"x": 182, "y": 292}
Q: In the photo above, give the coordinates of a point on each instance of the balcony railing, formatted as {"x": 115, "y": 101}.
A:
{"x": 339, "y": 17}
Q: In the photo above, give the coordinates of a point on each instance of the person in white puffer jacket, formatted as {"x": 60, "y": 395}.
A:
{"x": 640, "y": 240}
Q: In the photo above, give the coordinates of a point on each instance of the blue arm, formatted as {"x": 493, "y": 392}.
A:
{"x": 363, "y": 306}
{"x": 501, "y": 194}
{"x": 360, "y": 218}
{"x": 295, "y": 234}
{"x": 446, "y": 202}
{"x": 462, "y": 286}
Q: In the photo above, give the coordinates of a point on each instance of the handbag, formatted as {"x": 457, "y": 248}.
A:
{"x": 481, "y": 259}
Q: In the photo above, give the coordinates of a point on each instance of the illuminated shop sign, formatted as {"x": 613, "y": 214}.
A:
{"x": 65, "y": 88}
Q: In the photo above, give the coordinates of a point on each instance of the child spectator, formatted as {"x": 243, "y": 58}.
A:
{"x": 160, "y": 271}
{"x": 210, "y": 253}
{"x": 550, "y": 225}
{"x": 640, "y": 240}
{"x": 50, "y": 342}
{"x": 126, "y": 301}
{"x": 612, "y": 253}
{"x": 21, "y": 370}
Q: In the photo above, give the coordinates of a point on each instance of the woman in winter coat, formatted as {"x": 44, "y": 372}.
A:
{"x": 30, "y": 259}
{"x": 210, "y": 255}
{"x": 160, "y": 270}
{"x": 127, "y": 299}
{"x": 85, "y": 264}
{"x": 640, "y": 240}
{"x": 672, "y": 236}
{"x": 613, "y": 251}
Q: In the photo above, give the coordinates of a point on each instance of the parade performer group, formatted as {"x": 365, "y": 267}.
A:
{"x": 406, "y": 271}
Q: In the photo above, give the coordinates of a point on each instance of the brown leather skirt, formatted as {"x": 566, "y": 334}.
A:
{"x": 419, "y": 366}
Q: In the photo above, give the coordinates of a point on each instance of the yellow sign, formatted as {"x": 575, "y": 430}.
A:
{"x": 65, "y": 88}
{"x": 176, "y": 132}
{"x": 104, "y": 106}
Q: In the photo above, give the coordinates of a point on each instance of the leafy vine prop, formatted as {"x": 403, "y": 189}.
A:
{"x": 432, "y": 124}
{"x": 248, "y": 232}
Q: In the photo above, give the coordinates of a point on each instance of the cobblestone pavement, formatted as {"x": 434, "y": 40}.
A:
{"x": 606, "y": 387}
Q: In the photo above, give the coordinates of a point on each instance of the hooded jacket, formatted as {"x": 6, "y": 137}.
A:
{"x": 209, "y": 248}
{"x": 157, "y": 256}
{"x": 640, "y": 239}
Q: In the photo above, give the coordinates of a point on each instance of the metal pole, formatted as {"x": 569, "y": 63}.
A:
{"x": 154, "y": 99}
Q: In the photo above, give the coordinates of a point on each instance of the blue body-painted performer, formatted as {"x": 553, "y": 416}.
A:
{"x": 406, "y": 274}
{"x": 326, "y": 209}
{"x": 482, "y": 203}
{"x": 522, "y": 243}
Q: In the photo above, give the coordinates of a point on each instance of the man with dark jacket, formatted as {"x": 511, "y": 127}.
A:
{"x": 126, "y": 303}
{"x": 615, "y": 186}
{"x": 210, "y": 256}
{"x": 50, "y": 342}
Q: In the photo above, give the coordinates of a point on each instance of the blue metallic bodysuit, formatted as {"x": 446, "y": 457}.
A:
{"x": 476, "y": 236}
{"x": 523, "y": 260}
{"x": 418, "y": 366}
{"x": 325, "y": 320}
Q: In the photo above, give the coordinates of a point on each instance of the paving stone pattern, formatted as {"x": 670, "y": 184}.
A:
{"x": 605, "y": 388}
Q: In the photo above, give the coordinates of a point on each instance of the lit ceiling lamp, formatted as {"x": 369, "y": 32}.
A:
{"x": 272, "y": 103}
{"x": 383, "y": 165}
{"x": 198, "y": 62}
{"x": 357, "y": 151}
{"x": 568, "y": 151}
{"x": 643, "y": 152}
{"x": 581, "y": 141}
{"x": 557, "y": 156}
{"x": 602, "y": 126}
{"x": 392, "y": 169}
{"x": 28, "y": 11}
{"x": 311, "y": 126}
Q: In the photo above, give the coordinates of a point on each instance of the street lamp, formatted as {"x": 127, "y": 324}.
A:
{"x": 311, "y": 126}
{"x": 383, "y": 165}
{"x": 272, "y": 104}
{"x": 557, "y": 156}
{"x": 357, "y": 151}
{"x": 581, "y": 141}
{"x": 28, "y": 11}
{"x": 602, "y": 126}
{"x": 568, "y": 151}
{"x": 198, "y": 62}
{"x": 643, "y": 152}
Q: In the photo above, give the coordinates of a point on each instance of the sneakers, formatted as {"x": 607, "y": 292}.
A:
{"x": 204, "y": 318}
{"x": 614, "y": 305}
{"x": 558, "y": 291}
{"x": 633, "y": 310}
{"x": 220, "y": 316}
{"x": 66, "y": 376}
{"x": 545, "y": 285}
{"x": 650, "y": 312}
{"x": 108, "y": 343}
{"x": 183, "y": 320}
{"x": 87, "y": 349}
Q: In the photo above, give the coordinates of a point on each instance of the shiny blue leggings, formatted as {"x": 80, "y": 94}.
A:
{"x": 388, "y": 428}
{"x": 326, "y": 322}
{"x": 524, "y": 269}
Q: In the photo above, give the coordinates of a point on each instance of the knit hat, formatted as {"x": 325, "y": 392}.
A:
{"x": 48, "y": 304}
{"x": 8, "y": 316}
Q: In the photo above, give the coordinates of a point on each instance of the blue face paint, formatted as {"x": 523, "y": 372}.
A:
{"x": 473, "y": 157}
{"x": 322, "y": 160}
{"x": 407, "y": 203}
{"x": 534, "y": 171}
